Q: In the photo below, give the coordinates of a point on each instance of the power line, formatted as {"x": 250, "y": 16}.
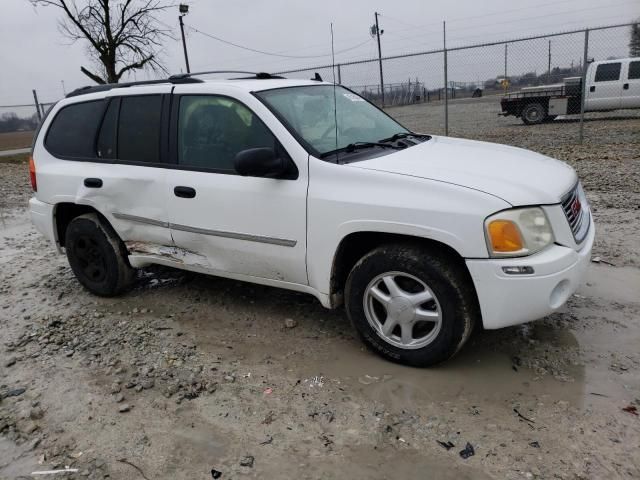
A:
{"x": 484, "y": 15}
{"x": 273, "y": 54}
{"x": 520, "y": 30}
{"x": 430, "y": 33}
{"x": 251, "y": 58}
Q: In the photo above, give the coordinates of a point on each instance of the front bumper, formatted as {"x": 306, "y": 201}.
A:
{"x": 42, "y": 216}
{"x": 513, "y": 299}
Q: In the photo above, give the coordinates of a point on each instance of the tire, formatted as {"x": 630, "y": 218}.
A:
{"x": 533, "y": 114}
{"x": 414, "y": 270}
{"x": 97, "y": 256}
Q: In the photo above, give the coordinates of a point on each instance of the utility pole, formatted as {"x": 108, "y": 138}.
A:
{"x": 446, "y": 86}
{"x": 378, "y": 33}
{"x": 184, "y": 9}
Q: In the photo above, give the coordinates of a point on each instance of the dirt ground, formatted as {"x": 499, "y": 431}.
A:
{"x": 12, "y": 140}
{"x": 188, "y": 373}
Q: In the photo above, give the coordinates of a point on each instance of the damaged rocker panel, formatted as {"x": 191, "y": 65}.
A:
{"x": 203, "y": 231}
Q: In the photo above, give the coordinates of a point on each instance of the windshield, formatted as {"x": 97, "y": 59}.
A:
{"x": 309, "y": 112}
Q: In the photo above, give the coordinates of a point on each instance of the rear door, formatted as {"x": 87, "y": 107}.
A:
{"x": 111, "y": 157}
{"x": 133, "y": 136}
{"x": 605, "y": 86}
{"x": 236, "y": 225}
{"x": 631, "y": 86}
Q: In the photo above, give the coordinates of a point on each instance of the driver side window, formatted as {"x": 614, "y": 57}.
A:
{"x": 212, "y": 130}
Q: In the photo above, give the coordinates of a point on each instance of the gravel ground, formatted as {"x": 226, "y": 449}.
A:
{"x": 187, "y": 374}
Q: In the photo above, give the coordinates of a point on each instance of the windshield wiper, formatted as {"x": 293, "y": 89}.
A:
{"x": 401, "y": 135}
{"x": 396, "y": 136}
{"x": 352, "y": 147}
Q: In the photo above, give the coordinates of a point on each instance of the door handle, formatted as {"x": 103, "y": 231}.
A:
{"x": 592, "y": 88}
{"x": 625, "y": 86}
{"x": 184, "y": 192}
{"x": 93, "y": 182}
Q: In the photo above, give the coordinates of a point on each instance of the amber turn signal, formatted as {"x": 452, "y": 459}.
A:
{"x": 505, "y": 236}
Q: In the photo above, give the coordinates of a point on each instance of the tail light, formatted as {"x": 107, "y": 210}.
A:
{"x": 32, "y": 174}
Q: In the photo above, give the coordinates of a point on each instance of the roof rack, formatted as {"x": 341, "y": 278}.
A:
{"x": 110, "y": 86}
{"x": 256, "y": 75}
{"x": 175, "y": 79}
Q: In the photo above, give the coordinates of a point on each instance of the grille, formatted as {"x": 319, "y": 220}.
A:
{"x": 576, "y": 210}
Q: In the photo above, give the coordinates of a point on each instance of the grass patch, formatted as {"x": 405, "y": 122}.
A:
{"x": 11, "y": 140}
{"x": 19, "y": 158}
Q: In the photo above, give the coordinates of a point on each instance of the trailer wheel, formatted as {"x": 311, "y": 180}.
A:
{"x": 533, "y": 114}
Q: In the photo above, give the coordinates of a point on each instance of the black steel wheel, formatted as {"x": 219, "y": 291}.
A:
{"x": 97, "y": 256}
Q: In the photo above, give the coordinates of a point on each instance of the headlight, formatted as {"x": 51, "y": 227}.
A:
{"x": 518, "y": 232}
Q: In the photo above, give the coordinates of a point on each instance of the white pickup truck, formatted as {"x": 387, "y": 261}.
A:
{"x": 611, "y": 85}
{"x": 305, "y": 185}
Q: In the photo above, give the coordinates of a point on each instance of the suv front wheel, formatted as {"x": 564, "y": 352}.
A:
{"x": 97, "y": 256}
{"x": 410, "y": 305}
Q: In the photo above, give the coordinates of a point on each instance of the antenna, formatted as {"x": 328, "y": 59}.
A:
{"x": 335, "y": 103}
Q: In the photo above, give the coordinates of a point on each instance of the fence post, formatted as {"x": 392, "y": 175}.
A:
{"x": 585, "y": 65}
{"x": 549, "y": 64}
{"x": 35, "y": 99}
{"x": 339, "y": 75}
{"x": 506, "y": 49}
{"x": 446, "y": 91}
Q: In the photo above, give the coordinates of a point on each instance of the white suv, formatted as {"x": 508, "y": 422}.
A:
{"x": 307, "y": 186}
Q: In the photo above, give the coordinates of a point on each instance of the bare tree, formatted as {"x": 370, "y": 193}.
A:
{"x": 122, "y": 35}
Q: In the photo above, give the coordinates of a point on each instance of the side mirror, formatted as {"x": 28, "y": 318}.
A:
{"x": 260, "y": 162}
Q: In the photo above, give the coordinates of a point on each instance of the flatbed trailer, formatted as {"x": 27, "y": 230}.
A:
{"x": 610, "y": 85}
{"x": 540, "y": 104}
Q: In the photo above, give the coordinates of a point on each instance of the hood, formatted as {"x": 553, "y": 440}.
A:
{"x": 518, "y": 176}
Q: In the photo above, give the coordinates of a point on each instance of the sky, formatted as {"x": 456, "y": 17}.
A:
{"x": 35, "y": 55}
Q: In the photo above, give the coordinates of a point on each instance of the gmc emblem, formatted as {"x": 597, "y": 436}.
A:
{"x": 576, "y": 207}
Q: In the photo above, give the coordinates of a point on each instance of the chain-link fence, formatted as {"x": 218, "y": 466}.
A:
{"x": 17, "y": 123}
{"x": 544, "y": 69}
{"x": 412, "y": 86}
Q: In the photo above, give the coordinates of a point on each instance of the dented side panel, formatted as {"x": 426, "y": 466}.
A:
{"x": 168, "y": 252}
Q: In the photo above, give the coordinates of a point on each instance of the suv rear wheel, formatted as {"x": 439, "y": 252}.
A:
{"x": 97, "y": 256}
{"x": 409, "y": 305}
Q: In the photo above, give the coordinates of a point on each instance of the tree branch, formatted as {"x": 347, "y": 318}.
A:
{"x": 92, "y": 76}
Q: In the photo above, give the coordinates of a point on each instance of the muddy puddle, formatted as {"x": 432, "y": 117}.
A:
{"x": 478, "y": 372}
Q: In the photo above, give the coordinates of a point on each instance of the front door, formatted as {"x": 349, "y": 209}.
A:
{"x": 604, "y": 87}
{"x": 225, "y": 222}
{"x": 631, "y": 86}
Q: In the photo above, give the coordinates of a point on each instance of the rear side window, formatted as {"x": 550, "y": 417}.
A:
{"x": 634, "y": 70}
{"x": 106, "y": 145}
{"x": 608, "y": 72}
{"x": 73, "y": 130}
{"x": 139, "y": 129}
